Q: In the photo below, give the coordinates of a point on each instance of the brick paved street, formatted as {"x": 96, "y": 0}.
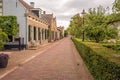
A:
{"x": 59, "y": 62}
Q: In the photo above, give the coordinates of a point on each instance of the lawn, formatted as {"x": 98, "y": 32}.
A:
{"x": 102, "y": 62}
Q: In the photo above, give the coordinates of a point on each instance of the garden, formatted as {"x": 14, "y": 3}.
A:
{"x": 96, "y": 36}
{"x": 102, "y": 62}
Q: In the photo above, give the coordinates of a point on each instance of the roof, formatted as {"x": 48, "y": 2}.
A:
{"x": 50, "y": 19}
{"x": 30, "y": 14}
{"x": 36, "y": 9}
{"x": 60, "y": 28}
{"x": 47, "y": 17}
{"x": 44, "y": 17}
{"x": 27, "y": 6}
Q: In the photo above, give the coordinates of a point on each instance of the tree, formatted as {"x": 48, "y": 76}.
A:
{"x": 95, "y": 21}
{"x": 116, "y": 6}
{"x": 65, "y": 33}
{"x": 97, "y": 25}
{"x": 75, "y": 25}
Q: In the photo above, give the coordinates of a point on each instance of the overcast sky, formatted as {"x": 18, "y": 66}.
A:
{"x": 65, "y": 9}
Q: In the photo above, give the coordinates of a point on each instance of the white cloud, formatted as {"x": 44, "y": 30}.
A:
{"x": 62, "y": 22}
{"x": 65, "y": 9}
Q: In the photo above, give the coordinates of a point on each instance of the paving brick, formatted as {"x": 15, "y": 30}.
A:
{"x": 58, "y": 62}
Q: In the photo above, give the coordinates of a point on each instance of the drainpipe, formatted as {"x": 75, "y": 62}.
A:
{"x": 26, "y": 31}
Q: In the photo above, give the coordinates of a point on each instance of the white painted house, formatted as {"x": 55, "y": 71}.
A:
{"x": 31, "y": 26}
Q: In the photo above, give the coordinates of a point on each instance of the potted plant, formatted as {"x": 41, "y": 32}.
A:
{"x": 3, "y": 60}
{"x": 33, "y": 45}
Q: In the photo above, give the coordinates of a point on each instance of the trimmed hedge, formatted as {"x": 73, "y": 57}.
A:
{"x": 99, "y": 60}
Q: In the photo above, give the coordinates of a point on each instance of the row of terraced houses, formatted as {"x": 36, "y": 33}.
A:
{"x": 34, "y": 24}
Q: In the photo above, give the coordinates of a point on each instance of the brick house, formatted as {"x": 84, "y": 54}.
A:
{"x": 31, "y": 26}
{"x": 51, "y": 20}
{"x": 61, "y": 31}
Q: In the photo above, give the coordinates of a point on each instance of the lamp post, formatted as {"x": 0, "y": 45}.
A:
{"x": 83, "y": 13}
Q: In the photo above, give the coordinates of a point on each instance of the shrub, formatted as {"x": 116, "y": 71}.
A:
{"x": 99, "y": 60}
{"x": 9, "y": 25}
{"x": 3, "y": 38}
{"x": 113, "y": 46}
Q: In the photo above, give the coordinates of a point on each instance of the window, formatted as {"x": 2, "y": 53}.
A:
{"x": 29, "y": 33}
{"x": 34, "y": 33}
{"x": 39, "y": 34}
{"x": 0, "y": 6}
{"x": 46, "y": 34}
{"x": 42, "y": 34}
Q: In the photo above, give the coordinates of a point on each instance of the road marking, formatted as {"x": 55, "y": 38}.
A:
{"x": 31, "y": 58}
{"x": 16, "y": 67}
{"x": 13, "y": 69}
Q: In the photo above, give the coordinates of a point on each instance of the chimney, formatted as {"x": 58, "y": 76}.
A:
{"x": 32, "y": 4}
{"x": 44, "y": 12}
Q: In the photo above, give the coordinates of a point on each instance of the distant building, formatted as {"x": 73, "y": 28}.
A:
{"x": 51, "y": 20}
{"x": 31, "y": 26}
{"x": 61, "y": 31}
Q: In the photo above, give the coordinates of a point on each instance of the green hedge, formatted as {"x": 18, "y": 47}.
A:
{"x": 99, "y": 60}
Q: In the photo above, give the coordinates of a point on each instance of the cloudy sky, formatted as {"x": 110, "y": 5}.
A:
{"x": 65, "y": 9}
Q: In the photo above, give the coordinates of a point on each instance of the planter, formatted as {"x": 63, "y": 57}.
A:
{"x": 3, "y": 60}
{"x": 33, "y": 48}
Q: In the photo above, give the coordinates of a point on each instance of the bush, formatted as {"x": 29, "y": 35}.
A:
{"x": 113, "y": 46}
{"x": 99, "y": 60}
{"x": 3, "y": 38}
{"x": 9, "y": 25}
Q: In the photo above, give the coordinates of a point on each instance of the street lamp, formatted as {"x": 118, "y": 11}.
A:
{"x": 83, "y": 13}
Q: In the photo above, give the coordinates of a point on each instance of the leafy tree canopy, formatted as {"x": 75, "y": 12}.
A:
{"x": 95, "y": 21}
{"x": 96, "y": 25}
{"x": 116, "y": 6}
{"x": 75, "y": 25}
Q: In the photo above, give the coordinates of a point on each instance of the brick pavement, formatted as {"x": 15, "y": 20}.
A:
{"x": 59, "y": 62}
{"x": 18, "y": 57}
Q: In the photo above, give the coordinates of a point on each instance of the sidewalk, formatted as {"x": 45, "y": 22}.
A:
{"x": 17, "y": 58}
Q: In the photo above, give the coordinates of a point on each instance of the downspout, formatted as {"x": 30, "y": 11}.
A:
{"x": 26, "y": 30}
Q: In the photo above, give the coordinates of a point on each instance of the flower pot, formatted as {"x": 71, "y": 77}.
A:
{"x": 3, "y": 61}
